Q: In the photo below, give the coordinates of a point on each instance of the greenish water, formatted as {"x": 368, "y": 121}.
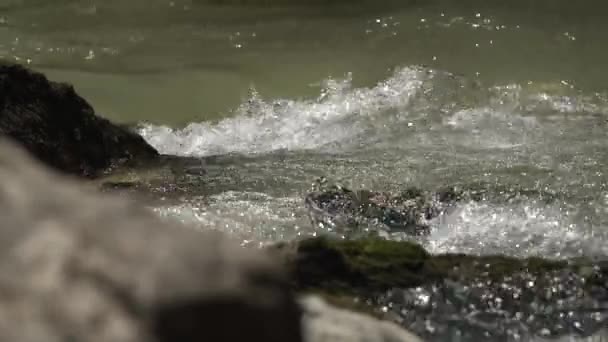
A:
{"x": 378, "y": 95}
{"x": 179, "y": 61}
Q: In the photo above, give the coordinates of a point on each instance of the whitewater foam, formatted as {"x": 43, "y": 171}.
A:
{"x": 339, "y": 114}
{"x": 519, "y": 229}
{"x": 415, "y": 105}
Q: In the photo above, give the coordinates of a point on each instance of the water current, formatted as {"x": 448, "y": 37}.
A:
{"x": 509, "y": 99}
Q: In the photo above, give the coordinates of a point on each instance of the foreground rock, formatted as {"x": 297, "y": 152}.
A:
{"x": 76, "y": 266}
{"x": 323, "y": 323}
{"x": 60, "y": 128}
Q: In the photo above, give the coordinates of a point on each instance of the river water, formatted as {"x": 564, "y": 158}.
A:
{"x": 509, "y": 98}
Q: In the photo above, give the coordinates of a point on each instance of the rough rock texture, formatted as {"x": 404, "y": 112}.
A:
{"x": 368, "y": 266}
{"x": 60, "y": 128}
{"x": 78, "y": 266}
{"x": 342, "y": 210}
{"x": 323, "y": 323}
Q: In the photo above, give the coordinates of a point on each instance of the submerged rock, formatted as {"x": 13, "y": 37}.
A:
{"x": 339, "y": 209}
{"x": 80, "y": 266}
{"x": 370, "y": 265}
{"x": 60, "y": 128}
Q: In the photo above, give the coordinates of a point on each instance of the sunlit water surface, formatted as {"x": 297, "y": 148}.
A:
{"x": 512, "y": 100}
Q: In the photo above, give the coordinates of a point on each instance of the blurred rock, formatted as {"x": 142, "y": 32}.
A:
{"x": 323, "y": 323}
{"x": 79, "y": 266}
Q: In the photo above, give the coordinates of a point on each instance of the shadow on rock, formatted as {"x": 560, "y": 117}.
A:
{"x": 60, "y": 128}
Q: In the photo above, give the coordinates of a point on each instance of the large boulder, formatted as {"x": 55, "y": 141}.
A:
{"x": 76, "y": 265}
{"x": 60, "y": 128}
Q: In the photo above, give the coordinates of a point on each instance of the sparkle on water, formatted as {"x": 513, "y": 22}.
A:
{"x": 528, "y": 118}
{"x": 418, "y": 119}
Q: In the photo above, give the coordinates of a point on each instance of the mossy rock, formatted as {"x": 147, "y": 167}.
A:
{"x": 372, "y": 265}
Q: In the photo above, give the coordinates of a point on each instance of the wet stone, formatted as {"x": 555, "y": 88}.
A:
{"x": 351, "y": 212}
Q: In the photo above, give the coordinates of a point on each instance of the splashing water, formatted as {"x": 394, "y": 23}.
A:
{"x": 521, "y": 229}
{"x": 540, "y": 150}
{"x": 337, "y": 115}
{"x": 419, "y": 127}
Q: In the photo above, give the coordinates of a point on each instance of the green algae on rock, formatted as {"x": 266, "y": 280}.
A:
{"x": 400, "y": 281}
{"x": 369, "y": 264}
{"x": 373, "y": 265}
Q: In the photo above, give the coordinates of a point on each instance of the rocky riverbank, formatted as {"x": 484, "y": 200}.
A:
{"x": 60, "y": 128}
{"x": 80, "y": 265}
{"x": 86, "y": 266}
{"x": 93, "y": 267}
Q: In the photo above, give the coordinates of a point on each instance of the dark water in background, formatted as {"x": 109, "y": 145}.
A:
{"x": 510, "y": 96}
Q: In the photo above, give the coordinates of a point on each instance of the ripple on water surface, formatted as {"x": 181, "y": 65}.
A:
{"x": 428, "y": 128}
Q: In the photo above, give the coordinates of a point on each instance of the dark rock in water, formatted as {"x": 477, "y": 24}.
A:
{"x": 339, "y": 209}
{"x": 60, "y": 128}
{"x": 77, "y": 265}
{"x": 352, "y": 266}
{"x": 490, "y": 298}
{"x": 371, "y": 264}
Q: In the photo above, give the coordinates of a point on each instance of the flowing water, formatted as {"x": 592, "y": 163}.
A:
{"x": 509, "y": 98}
